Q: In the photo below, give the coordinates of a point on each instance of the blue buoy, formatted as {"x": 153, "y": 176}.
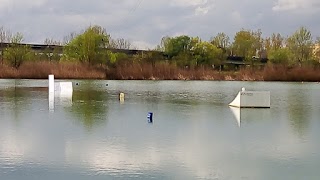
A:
{"x": 150, "y": 117}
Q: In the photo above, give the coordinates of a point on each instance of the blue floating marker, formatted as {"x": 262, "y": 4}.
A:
{"x": 150, "y": 117}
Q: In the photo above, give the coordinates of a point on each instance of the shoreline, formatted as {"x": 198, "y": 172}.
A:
{"x": 41, "y": 70}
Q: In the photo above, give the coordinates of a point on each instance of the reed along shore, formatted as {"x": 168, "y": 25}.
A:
{"x": 160, "y": 71}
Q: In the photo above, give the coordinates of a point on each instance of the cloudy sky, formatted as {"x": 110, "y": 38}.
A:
{"x": 145, "y": 22}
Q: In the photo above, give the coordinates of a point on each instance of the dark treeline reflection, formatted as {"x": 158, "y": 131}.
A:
{"x": 16, "y": 100}
{"x": 89, "y": 106}
{"x": 299, "y": 112}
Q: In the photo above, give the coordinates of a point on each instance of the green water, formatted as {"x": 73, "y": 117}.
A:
{"x": 195, "y": 135}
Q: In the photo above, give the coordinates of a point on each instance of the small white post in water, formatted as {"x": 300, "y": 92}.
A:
{"x": 51, "y": 92}
{"x": 121, "y": 97}
{"x": 51, "y": 83}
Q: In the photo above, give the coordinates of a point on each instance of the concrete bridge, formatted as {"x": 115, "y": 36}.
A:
{"x": 41, "y": 48}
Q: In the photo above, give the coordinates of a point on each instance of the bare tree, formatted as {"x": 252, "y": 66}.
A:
{"x": 221, "y": 40}
{"x": 120, "y": 43}
{"x": 53, "y": 50}
{"x": 5, "y": 37}
{"x": 51, "y": 41}
{"x": 67, "y": 39}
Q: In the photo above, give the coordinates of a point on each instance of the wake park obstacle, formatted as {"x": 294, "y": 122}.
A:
{"x": 61, "y": 90}
{"x": 251, "y": 99}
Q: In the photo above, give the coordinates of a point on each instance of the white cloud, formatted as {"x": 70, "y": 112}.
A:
{"x": 202, "y": 10}
{"x": 186, "y": 3}
{"x": 200, "y": 7}
{"x": 287, "y": 5}
{"x": 9, "y": 4}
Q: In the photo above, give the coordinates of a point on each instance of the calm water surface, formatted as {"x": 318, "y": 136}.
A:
{"x": 195, "y": 135}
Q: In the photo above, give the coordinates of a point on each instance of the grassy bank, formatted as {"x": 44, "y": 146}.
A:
{"x": 171, "y": 72}
{"x": 299, "y": 74}
{"x": 160, "y": 71}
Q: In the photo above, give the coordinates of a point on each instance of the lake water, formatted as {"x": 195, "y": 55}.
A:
{"x": 195, "y": 135}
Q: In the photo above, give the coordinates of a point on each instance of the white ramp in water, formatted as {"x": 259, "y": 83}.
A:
{"x": 251, "y": 99}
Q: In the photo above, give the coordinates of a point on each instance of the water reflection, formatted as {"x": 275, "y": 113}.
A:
{"x": 16, "y": 100}
{"x": 299, "y": 111}
{"x": 248, "y": 115}
{"x": 195, "y": 135}
{"x": 51, "y": 101}
{"x": 59, "y": 99}
{"x": 89, "y": 107}
{"x": 237, "y": 114}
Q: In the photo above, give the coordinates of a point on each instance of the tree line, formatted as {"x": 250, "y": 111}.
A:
{"x": 92, "y": 46}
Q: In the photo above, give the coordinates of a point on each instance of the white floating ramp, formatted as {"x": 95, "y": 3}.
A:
{"x": 251, "y": 99}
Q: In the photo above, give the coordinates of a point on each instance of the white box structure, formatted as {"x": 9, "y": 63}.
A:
{"x": 251, "y": 99}
{"x": 62, "y": 90}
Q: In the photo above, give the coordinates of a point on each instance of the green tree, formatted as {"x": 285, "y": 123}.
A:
{"x": 276, "y": 41}
{"x": 163, "y": 44}
{"x": 185, "y": 60}
{"x": 272, "y": 44}
{"x": 257, "y": 48}
{"x": 90, "y": 46}
{"x": 316, "y": 49}
{"x": 247, "y": 43}
{"x": 280, "y": 56}
{"x": 206, "y": 53}
{"x": 180, "y": 44}
{"x": 16, "y": 53}
{"x": 56, "y": 54}
{"x": 180, "y": 49}
{"x": 300, "y": 44}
